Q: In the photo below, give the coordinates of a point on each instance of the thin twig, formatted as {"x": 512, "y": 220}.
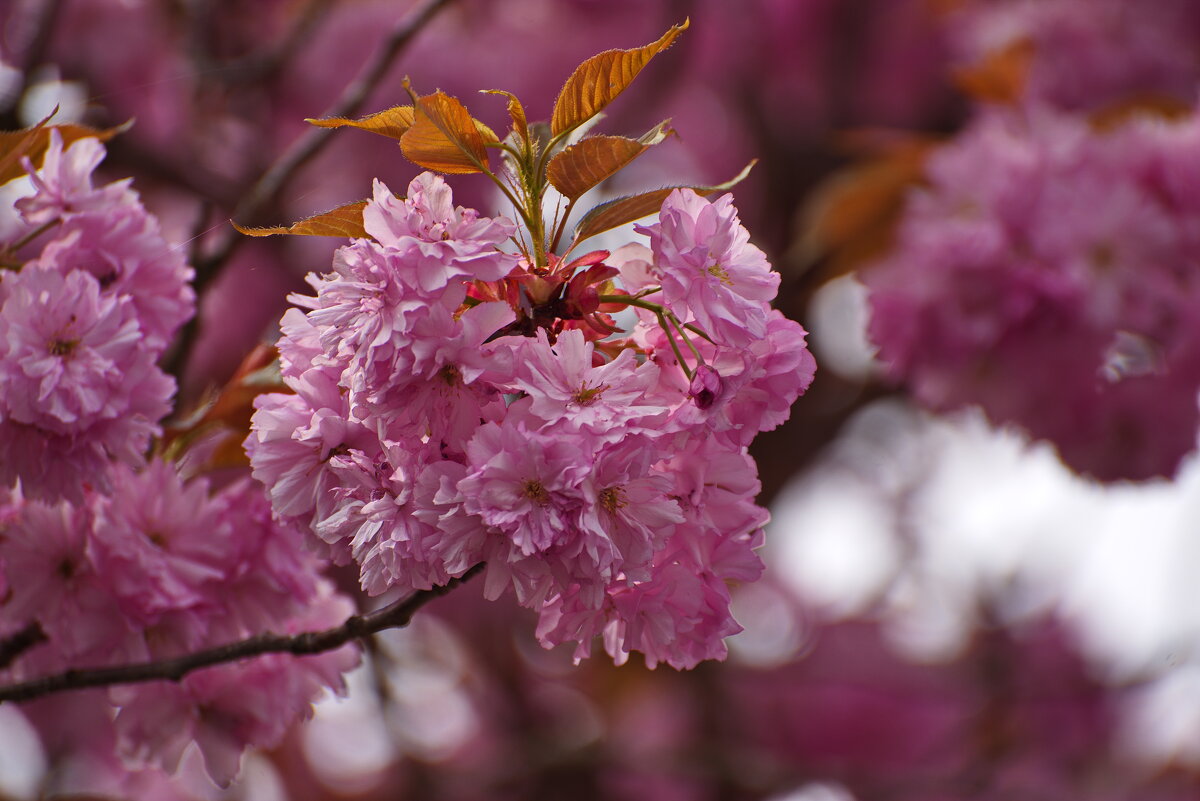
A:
{"x": 19, "y": 643}
{"x": 304, "y": 149}
{"x": 272, "y": 182}
{"x": 395, "y": 615}
{"x": 263, "y": 65}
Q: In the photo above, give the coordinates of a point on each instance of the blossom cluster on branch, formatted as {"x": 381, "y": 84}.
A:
{"x": 108, "y": 557}
{"x": 1044, "y": 266}
{"x": 456, "y": 404}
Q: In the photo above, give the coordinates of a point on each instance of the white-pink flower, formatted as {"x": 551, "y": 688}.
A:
{"x": 440, "y": 242}
{"x": 709, "y": 270}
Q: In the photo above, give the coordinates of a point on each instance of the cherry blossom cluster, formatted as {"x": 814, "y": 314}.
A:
{"x": 109, "y": 557}
{"x": 1084, "y": 54}
{"x": 82, "y": 326}
{"x": 454, "y": 404}
{"x": 1048, "y": 273}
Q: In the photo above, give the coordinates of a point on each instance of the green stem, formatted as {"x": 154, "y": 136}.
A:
{"x": 562, "y": 224}
{"x": 32, "y": 235}
{"x": 508, "y": 194}
{"x": 661, "y": 313}
{"x": 691, "y": 346}
{"x": 699, "y": 332}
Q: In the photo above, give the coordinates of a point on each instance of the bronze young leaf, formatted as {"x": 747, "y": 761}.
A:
{"x": 344, "y": 221}
{"x": 599, "y": 80}
{"x": 392, "y": 122}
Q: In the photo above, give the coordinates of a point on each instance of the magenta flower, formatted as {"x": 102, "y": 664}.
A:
{"x": 81, "y": 384}
{"x": 53, "y": 582}
{"x": 127, "y": 254}
{"x": 226, "y": 709}
{"x": 158, "y": 542}
{"x": 525, "y": 484}
{"x": 292, "y": 438}
{"x": 70, "y": 356}
{"x": 1044, "y": 275}
{"x": 108, "y": 233}
{"x": 63, "y": 184}
{"x": 679, "y": 617}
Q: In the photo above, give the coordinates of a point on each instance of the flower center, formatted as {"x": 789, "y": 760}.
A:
{"x": 62, "y": 347}
{"x": 585, "y": 395}
{"x": 718, "y": 272}
{"x": 612, "y": 499}
{"x": 533, "y": 490}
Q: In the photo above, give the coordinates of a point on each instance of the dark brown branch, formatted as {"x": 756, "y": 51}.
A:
{"x": 272, "y": 182}
{"x": 263, "y": 65}
{"x": 395, "y": 615}
{"x": 268, "y": 187}
{"x": 19, "y": 643}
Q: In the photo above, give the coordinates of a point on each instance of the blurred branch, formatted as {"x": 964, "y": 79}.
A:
{"x": 19, "y": 643}
{"x": 262, "y": 65}
{"x": 271, "y": 183}
{"x": 395, "y": 615}
{"x": 268, "y": 187}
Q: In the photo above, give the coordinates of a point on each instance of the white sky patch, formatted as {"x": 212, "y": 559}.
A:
{"x": 984, "y": 514}
{"x": 818, "y": 791}
{"x": 22, "y": 763}
{"x": 346, "y": 743}
{"x": 837, "y": 317}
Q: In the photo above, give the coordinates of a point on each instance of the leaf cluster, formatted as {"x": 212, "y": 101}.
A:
{"x": 437, "y": 132}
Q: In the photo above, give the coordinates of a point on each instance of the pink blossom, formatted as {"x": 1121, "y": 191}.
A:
{"x": 108, "y": 233}
{"x": 525, "y": 484}
{"x": 63, "y": 184}
{"x": 72, "y": 356}
{"x": 81, "y": 385}
{"x": 158, "y": 542}
{"x": 365, "y": 307}
{"x": 54, "y": 582}
{"x": 291, "y": 440}
{"x": 269, "y": 573}
{"x": 709, "y": 271}
{"x": 679, "y": 617}
{"x": 372, "y": 516}
{"x": 628, "y": 503}
{"x": 127, "y": 254}
{"x": 225, "y": 709}
{"x": 441, "y": 243}
{"x": 563, "y": 384}
{"x": 437, "y": 383}
{"x": 1038, "y": 254}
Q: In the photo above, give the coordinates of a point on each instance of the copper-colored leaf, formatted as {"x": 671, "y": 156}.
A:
{"x": 516, "y": 112}
{"x": 445, "y": 138}
{"x": 344, "y": 221}
{"x": 1161, "y": 107}
{"x": 851, "y": 218}
{"x": 392, "y": 122}
{"x": 623, "y": 210}
{"x": 34, "y": 141}
{"x": 597, "y": 81}
{"x": 585, "y": 164}
{"x": 223, "y": 419}
{"x": 1001, "y": 75}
